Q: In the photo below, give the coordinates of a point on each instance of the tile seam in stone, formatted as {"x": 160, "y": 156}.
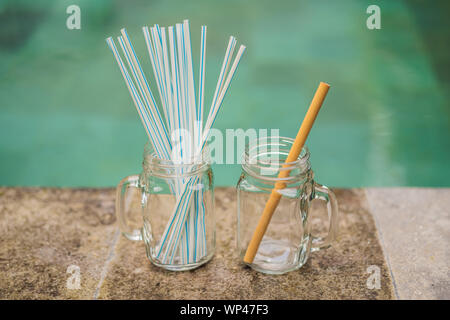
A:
{"x": 383, "y": 246}
{"x": 109, "y": 258}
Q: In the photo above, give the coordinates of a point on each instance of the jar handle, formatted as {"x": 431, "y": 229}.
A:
{"x": 324, "y": 193}
{"x": 124, "y": 192}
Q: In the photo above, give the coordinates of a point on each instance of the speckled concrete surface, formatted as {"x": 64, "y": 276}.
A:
{"x": 43, "y": 231}
{"x": 414, "y": 226}
{"x": 339, "y": 272}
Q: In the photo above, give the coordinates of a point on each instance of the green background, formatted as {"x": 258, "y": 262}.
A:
{"x": 66, "y": 118}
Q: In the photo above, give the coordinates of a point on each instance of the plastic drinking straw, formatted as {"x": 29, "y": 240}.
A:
{"x": 147, "y": 95}
{"x": 223, "y": 70}
{"x": 294, "y": 153}
{"x": 210, "y": 121}
{"x": 157, "y": 34}
{"x": 198, "y": 196}
{"x": 215, "y": 108}
{"x": 136, "y": 78}
{"x": 158, "y": 137}
{"x": 155, "y": 66}
{"x": 141, "y": 110}
{"x": 168, "y": 80}
{"x": 211, "y": 118}
{"x": 183, "y": 91}
{"x": 192, "y": 110}
{"x": 189, "y": 119}
{"x": 157, "y": 72}
{"x": 177, "y": 221}
{"x": 136, "y": 99}
{"x": 147, "y": 92}
{"x": 176, "y": 88}
{"x": 185, "y": 234}
{"x": 182, "y": 102}
{"x": 201, "y": 86}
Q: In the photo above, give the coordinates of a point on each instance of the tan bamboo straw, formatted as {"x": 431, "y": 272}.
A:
{"x": 296, "y": 148}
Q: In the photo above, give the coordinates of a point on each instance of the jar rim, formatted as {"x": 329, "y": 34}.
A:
{"x": 192, "y": 166}
{"x": 252, "y": 164}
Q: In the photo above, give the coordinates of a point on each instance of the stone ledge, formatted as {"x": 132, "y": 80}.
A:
{"x": 414, "y": 227}
{"x": 45, "y": 230}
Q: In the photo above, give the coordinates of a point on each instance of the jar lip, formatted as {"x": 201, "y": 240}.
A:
{"x": 191, "y": 166}
{"x": 252, "y": 164}
{"x": 302, "y": 158}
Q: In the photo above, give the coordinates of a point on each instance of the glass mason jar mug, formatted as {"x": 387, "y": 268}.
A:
{"x": 176, "y": 219}
{"x": 287, "y": 241}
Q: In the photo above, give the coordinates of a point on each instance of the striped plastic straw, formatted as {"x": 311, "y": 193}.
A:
{"x": 179, "y": 132}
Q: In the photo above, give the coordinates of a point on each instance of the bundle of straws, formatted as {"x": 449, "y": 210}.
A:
{"x": 181, "y": 119}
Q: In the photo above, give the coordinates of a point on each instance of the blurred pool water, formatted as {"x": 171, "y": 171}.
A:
{"x": 66, "y": 118}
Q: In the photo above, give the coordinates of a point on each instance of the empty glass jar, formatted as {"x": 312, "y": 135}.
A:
{"x": 287, "y": 241}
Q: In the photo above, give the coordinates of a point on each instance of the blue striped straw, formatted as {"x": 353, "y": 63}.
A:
{"x": 169, "y": 91}
{"x": 201, "y": 86}
{"x": 210, "y": 121}
{"x": 192, "y": 110}
{"x": 135, "y": 96}
{"x": 184, "y": 238}
{"x": 159, "y": 138}
{"x": 223, "y": 71}
{"x": 156, "y": 71}
{"x": 150, "y": 102}
{"x": 158, "y": 44}
{"x": 200, "y": 239}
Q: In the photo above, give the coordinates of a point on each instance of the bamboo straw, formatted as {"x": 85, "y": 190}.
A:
{"x": 296, "y": 148}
